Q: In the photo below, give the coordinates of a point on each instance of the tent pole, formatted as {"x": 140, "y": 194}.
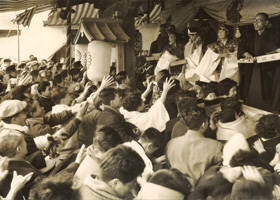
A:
{"x": 68, "y": 44}
{"x": 18, "y": 44}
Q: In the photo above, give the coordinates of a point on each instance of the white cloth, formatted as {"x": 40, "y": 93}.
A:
{"x": 206, "y": 68}
{"x": 236, "y": 143}
{"x": 241, "y": 125}
{"x": 164, "y": 61}
{"x": 193, "y": 59}
{"x": 148, "y": 171}
{"x": 156, "y": 117}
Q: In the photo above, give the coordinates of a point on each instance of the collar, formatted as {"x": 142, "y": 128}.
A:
{"x": 112, "y": 108}
{"x": 15, "y": 127}
{"x": 159, "y": 192}
{"x": 194, "y": 133}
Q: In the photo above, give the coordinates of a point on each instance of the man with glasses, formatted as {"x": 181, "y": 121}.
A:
{"x": 257, "y": 79}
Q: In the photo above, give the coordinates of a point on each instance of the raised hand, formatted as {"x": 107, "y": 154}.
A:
{"x": 252, "y": 173}
{"x": 106, "y": 82}
{"x": 168, "y": 84}
{"x": 19, "y": 181}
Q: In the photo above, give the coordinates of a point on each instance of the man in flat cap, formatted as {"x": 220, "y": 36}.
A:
{"x": 13, "y": 116}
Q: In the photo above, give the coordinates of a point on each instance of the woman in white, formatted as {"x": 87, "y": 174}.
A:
{"x": 220, "y": 59}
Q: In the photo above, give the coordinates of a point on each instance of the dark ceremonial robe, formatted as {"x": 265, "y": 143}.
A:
{"x": 257, "y": 78}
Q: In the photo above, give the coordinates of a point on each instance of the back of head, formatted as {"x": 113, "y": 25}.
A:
{"x": 244, "y": 157}
{"x": 225, "y": 86}
{"x": 42, "y": 86}
{"x": 9, "y": 141}
{"x": 268, "y": 126}
{"x": 153, "y": 136}
{"x": 195, "y": 118}
{"x": 233, "y": 103}
{"x": 185, "y": 105}
{"x": 106, "y": 138}
{"x": 107, "y": 95}
{"x": 172, "y": 179}
{"x": 132, "y": 99}
{"x": 210, "y": 88}
{"x": 225, "y": 116}
{"x": 121, "y": 77}
{"x": 122, "y": 163}
{"x": 247, "y": 189}
{"x": 54, "y": 188}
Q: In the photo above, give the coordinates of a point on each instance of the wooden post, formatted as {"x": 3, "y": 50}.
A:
{"x": 129, "y": 55}
{"x": 120, "y": 60}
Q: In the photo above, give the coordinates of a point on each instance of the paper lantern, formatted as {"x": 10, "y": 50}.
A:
{"x": 81, "y": 53}
{"x": 98, "y": 60}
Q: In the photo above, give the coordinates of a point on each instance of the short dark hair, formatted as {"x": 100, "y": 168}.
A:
{"x": 225, "y": 116}
{"x": 180, "y": 94}
{"x": 243, "y": 157}
{"x": 54, "y": 188}
{"x": 107, "y": 95}
{"x": 172, "y": 179}
{"x": 106, "y": 138}
{"x": 10, "y": 69}
{"x": 268, "y": 126}
{"x": 57, "y": 79}
{"x": 225, "y": 86}
{"x": 43, "y": 86}
{"x": 208, "y": 88}
{"x": 233, "y": 103}
{"x": 195, "y": 118}
{"x": 185, "y": 105}
{"x": 122, "y": 163}
{"x": 132, "y": 99}
{"x": 120, "y": 77}
{"x": 265, "y": 15}
{"x": 154, "y": 136}
{"x": 34, "y": 73}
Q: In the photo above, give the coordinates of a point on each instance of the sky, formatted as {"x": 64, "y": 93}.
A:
{"x": 36, "y": 39}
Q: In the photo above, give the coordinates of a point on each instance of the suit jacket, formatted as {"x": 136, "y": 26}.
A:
{"x": 114, "y": 119}
{"x": 192, "y": 154}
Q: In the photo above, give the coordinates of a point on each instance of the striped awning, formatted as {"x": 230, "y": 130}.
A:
{"x": 154, "y": 16}
{"x": 15, "y": 5}
{"x": 83, "y": 10}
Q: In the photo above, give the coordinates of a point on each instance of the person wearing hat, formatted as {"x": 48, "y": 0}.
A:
{"x": 220, "y": 59}
{"x": 5, "y": 64}
{"x": 13, "y": 116}
{"x": 193, "y": 52}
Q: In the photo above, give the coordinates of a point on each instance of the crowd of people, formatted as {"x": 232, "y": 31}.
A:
{"x": 162, "y": 137}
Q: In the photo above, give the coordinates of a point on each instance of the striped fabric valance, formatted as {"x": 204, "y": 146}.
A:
{"x": 83, "y": 10}
{"x": 14, "y": 5}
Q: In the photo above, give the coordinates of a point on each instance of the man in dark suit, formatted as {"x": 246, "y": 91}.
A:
{"x": 111, "y": 116}
{"x": 257, "y": 79}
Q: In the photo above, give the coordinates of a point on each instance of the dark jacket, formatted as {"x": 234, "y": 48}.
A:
{"x": 112, "y": 118}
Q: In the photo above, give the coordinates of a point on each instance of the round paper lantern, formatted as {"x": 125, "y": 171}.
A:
{"x": 98, "y": 60}
{"x": 81, "y": 53}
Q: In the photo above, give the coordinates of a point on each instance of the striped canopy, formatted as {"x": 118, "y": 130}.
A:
{"x": 82, "y": 10}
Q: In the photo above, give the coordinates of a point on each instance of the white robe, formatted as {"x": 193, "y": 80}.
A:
{"x": 206, "y": 68}
{"x": 155, "y": 117}
{"x": 193, "y": 59}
